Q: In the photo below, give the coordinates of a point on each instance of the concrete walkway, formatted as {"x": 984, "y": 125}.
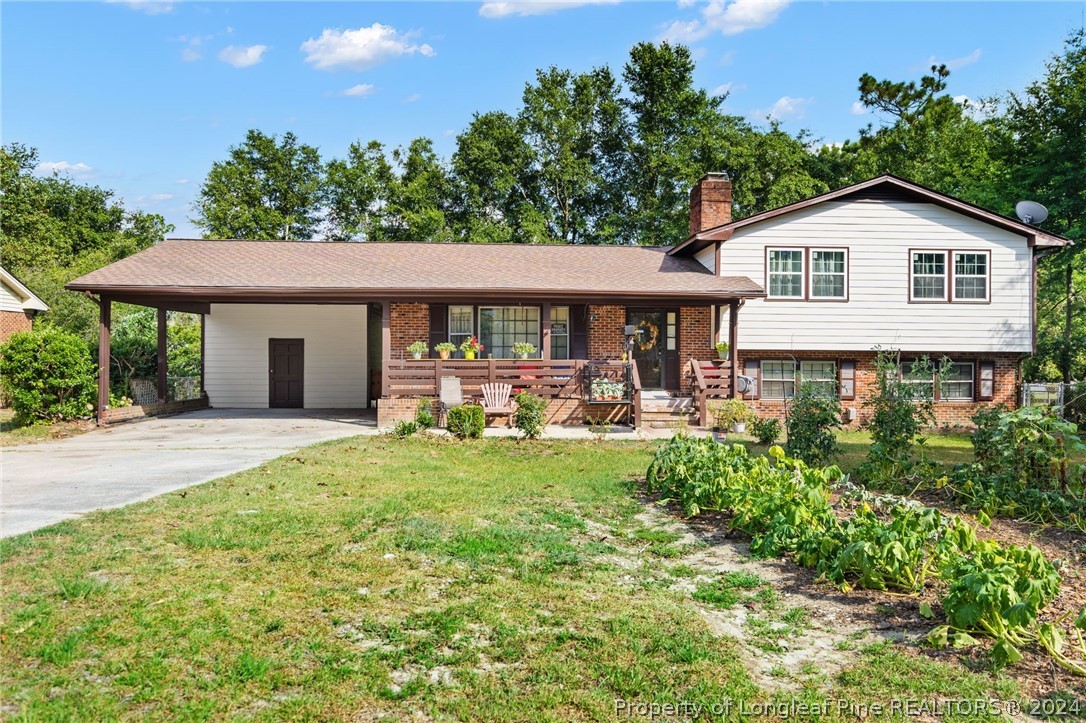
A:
{"x": 48, "y": 482}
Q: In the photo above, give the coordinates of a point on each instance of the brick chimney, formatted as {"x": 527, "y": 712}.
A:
{"x": 710, "y": 202}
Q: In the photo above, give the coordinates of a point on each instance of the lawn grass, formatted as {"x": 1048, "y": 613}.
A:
{"x": 470, "y": 581}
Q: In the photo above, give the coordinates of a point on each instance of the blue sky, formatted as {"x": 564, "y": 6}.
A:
{"x": 142, "y": 97}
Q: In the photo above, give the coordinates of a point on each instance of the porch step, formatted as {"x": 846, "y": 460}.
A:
{"x": 662, "y": 412}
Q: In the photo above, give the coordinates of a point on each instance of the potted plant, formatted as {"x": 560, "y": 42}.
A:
{"x": 730, "y": 414}
{"x": 471, "y": 347}
{"x": 417, "y": 349}
{"x": 524, "y": 349}
{"x": 444, "y": 349}
{"x": 722, "y": 350}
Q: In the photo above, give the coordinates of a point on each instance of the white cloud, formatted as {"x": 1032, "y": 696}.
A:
{"x": 956, "y": 63}
{"x": 534, "y": 7}
{"x": 723, "y": 89}
{"x": 725, "y": 17}
{"x": 181, "y": 181}
{"x": 190, "y": 55}
{"x": 242, "y": 56}
{"x": 412, "y": 98}
{"x": 75, "y": 170}
{"x": 358, "y": 91}
{"x": 859, "y": 108}
{"x": 150, "y": 7}
{"x": 448, "y": 133}
{"x": 728, "y": 58}
{"x": 785, "y": 107}
{"x": 361, "y": 49}
{"x": 686, "y": 3}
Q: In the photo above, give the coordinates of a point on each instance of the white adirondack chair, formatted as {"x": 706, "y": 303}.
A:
{"x": 496, "y": 400}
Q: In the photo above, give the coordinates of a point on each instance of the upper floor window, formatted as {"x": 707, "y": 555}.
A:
{"x": 970, "y": 276}
{"x": 928, "y": 276}
{"x": 828, "y": 272}
{"x": 786, "y": 273}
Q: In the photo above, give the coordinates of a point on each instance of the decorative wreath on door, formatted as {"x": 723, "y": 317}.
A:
{"x": 647, "y": 340}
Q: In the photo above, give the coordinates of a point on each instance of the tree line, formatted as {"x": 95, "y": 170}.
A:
{"x": 596, "y": 158}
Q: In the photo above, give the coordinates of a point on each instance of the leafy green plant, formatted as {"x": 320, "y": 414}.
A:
{"x": 766, "y": 430}
{"x": 722, "y": 348}
{"x": 424, "y": 415}
{"x": 418, "y": 347}
{"x": 530, "y": 415}
{"x": 466, "y": 421}
{"x": 48, "y": 375}
{"x": 405, "y": 428}
{"x": 446, "y": 346}
{"x": 524, "y": 348}
{"x": 811, "y": 421}
{"x": 902, "y": 405}
{"x": 728, "y": 412}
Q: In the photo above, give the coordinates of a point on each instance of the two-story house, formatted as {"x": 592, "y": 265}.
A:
{"x": 803, "y": 292}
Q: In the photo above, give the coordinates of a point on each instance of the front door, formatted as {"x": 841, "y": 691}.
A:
{"x": 649, "y": 346}
{"x": 285, "y": 372}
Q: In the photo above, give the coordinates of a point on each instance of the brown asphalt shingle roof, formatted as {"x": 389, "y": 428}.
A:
{"x": 188, "y": 265}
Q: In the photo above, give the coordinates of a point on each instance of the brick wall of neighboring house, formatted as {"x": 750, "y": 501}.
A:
{"x": 12, "y": 322}
{"x": 605, "y": 324}
{"x": 408, "y": 323}
{"x": 948, "y": 413}
{"x": 695, "y": 341}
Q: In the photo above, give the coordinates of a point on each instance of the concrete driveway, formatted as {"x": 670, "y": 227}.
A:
{"x": 49, "y": 482}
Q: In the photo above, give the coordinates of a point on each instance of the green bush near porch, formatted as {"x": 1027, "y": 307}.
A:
{"x": 466, "y": 422}
{"x": 48, "y": 374}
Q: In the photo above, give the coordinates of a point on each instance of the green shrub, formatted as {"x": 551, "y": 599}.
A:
{"x": 48, "y": 374}
{"x": 405, "y": 428}
{"x": 424, "y": 416}
{"x": 812, "y": 419}
{"x": 900, "y": 410}
{"x": 766, "y": 430}
{"x": 466, "y": 421}
{"x": 531, "y": 414}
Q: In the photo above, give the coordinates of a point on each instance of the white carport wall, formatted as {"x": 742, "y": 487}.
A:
{"x": 236, "y": 364}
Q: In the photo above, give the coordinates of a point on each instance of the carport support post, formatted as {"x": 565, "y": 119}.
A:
{"x": 104, "y": 311}
{"x": 162, "y": 356}
{"x": 733, "y": 345}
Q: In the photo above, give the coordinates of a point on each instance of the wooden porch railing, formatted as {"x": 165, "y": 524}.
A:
{"x": 635, "y": 383}
{"x": 712, "y": 380}
{"x": 543, "y": 377}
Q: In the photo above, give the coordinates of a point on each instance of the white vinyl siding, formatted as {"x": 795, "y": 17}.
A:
{"x": 334, "y": 367}
{"x": 9, "y": 299}
{"x": 879, "y": 237}
{"x": 707, "y": 257}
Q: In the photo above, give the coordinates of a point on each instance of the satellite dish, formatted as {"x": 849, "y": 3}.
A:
{"x": 1031, "y": 212}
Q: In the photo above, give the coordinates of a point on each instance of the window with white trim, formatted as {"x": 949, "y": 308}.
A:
{"x": 786, "y": 273}
{"x": 461, "y": 324}
{"x": 778, "y": 379}
{"x": 500, "y": 327}
{"x": 559, "y": 332}
{"x": 970, "y": 276}
{"x": 929, "y": 276}
{"x": 916, "y": 372}
{"x": 821, "y": 374}
{"x": 828, "y": 273}
{"x": 957, "y": 381}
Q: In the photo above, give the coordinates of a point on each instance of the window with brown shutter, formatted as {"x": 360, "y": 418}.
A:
{"x": 985, "y": 381}
{"x": 753, "y": 368}
{"x": 846, "y": 380}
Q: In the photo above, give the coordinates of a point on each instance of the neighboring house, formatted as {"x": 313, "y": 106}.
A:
{"x": 803, "y": 292}
{"x": 18, "y": 305}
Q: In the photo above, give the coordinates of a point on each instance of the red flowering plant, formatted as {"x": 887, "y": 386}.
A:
{"x": 471, "y": 344}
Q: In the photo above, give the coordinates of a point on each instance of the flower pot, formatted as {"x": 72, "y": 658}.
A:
{"x": 720, "y": 436}
{"x": 722, "y": 355}
{"x": 469, "y": 355}
{"x": 523, "y": 356}
{"x": 416, "y": 355}
{"x": 739, "y": 427}
{"x": 444, "y": 354}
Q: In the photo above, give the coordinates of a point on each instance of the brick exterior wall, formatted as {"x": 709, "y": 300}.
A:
{"x": 605, "y": 323}
{"x": 408, "y": 322}
{"x": 695, "y": 341}
{"x": 124, "y": 414}
{"x": 559, "y": 411}
{"x": 12, "y": 322}
{"x": 947, "y": 413}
